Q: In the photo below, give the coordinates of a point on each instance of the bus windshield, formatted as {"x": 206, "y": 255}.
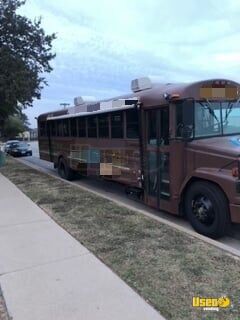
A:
{"x": 216, "y": 118}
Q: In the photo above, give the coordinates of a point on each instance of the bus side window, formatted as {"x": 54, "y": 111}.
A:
{"x": 132, "y": 123}
{"x": 117, "y": 125}
{"x": 59, "y": 128}
{"x": 53, "y": 128}
{"x": 82, "y": 127}
{"x": 73, "y": 127}
{"x": 42, "y": 128}
{"x": 65, "y": 128}
{"x": 92, "y": 127}
{"x": 103, "y": 126}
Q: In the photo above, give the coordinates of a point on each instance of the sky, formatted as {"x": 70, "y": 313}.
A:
{"x": 102, "y": 45}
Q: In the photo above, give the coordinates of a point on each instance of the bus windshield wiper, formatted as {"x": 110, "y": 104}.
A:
{"x": 229, "y": 109}
{"x": 211, "y": 111}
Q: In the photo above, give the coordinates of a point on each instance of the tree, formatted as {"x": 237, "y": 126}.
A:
{"x": 25, "y": 54}
{"x": 13, "y": 126}
{"x": 25, "y": 120}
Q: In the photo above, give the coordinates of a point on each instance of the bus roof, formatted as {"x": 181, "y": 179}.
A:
{"x": 82, "y": 114}
{"x": 158, "y": 94}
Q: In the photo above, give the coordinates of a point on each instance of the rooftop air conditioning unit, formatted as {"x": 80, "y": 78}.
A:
{"x": 141, "y": 84}
{"x": 84, "y": 99}
{"x": 89, "y": 99}
{"x": 78, "y": 101}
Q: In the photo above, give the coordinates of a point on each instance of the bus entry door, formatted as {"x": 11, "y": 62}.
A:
{"x": 156, "y": 154}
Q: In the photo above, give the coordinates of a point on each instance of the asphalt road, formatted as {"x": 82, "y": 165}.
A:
{"x": 117, "y": 192}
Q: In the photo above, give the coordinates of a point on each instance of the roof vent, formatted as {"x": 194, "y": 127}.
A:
{"x": 141, "y": 84}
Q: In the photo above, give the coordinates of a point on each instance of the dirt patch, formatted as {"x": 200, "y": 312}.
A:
{"x": 166, "y": 267}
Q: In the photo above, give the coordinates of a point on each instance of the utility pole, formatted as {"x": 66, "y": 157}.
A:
{"x": 64, "y": 105}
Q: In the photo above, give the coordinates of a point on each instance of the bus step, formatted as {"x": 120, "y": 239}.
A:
{"x": 135, "y": 193}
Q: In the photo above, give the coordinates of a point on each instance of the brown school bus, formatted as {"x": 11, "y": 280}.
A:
{"x": 174, "y": 146}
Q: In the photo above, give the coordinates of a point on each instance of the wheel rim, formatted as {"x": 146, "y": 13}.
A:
{"x": 203, "y": 210}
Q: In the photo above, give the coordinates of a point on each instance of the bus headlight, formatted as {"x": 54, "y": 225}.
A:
{"x": 236, "y": 170}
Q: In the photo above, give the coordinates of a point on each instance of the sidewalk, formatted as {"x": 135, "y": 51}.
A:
{"x": 45, "y": 274}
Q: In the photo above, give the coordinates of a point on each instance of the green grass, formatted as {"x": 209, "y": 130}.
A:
{"x": 3, "y": 309}
{"x": 166, "y": 267}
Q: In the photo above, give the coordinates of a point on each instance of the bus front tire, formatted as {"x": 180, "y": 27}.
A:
{"x": 64, "y": 171}
{"x": 207, "y": 209}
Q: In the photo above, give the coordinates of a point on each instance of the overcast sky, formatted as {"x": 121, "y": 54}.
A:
{"x": 103, "y": 44}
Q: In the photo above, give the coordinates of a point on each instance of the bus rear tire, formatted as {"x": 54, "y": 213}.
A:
{"x": 64, "y": 171}
{"x": 207, "y": 209}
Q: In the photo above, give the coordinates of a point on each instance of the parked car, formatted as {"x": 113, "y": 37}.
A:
{"x": 19, "y": 149}
{"x": 9, "y": 144}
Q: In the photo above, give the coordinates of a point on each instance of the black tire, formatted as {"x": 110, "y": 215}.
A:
{"x": 207, "y": 209}
{"x": 64, "y": 171}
